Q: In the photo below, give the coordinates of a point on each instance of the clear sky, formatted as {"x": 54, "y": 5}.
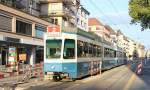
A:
{"x": 115, "y": 14}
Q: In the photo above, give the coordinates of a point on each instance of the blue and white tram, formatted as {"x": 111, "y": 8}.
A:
{"x": 78, "y": 54}
{"x": 109, "y": 58}
{"x": 113, "y": 56}
{"x": 72, "y": 55}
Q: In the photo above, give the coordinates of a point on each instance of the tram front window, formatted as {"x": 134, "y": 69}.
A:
{"x": 69, "y": 49}
{"x": 53, "y": 48}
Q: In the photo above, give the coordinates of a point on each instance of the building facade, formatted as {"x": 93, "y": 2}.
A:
{"x": 82, "y": 18}
{"x": 96, "y": 26}
{"x": 24, "y": 23}
{"x": 141, "y": 50}
{"x": 21, "y": 35}
{"x": 60, "y": 12}
{"x": 123, "y": 42}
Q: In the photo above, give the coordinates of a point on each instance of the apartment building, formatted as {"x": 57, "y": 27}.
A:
{"x": 60, "y": 12}
{"x": 107, "y": 33}
{"x": 96, "y": 26}
{"x": 123, "y": 42}
{"x": 140, "y": 50}
{"x": 31, "y": 7}
{"x": 21, "y": 35}
{"x": 82, "y": 18}
{"x": 101, "y": 30}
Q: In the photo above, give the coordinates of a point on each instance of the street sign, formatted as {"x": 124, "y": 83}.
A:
{"x": 54, "y": 30}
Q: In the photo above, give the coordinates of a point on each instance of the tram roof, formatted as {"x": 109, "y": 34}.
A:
{"x": 86, "y": 34}
{"x": 81, "y": 32}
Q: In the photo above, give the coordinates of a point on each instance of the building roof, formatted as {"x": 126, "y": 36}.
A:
{"x": 94, "y": 21}
{"x": 86, "y": 11}
{"x": 110, "y": 29}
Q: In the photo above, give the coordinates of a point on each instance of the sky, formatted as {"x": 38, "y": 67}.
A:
{"x": 115, "y": 14}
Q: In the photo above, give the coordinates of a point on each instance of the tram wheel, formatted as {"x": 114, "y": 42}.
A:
{"x": 73, "y": 79}
{"x": 57, "y": 78}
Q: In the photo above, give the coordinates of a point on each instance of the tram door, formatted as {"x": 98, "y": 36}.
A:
{"x": 4, "y": 57}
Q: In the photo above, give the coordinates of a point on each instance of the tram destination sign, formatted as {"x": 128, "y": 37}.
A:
{"x": 54, "y": 30}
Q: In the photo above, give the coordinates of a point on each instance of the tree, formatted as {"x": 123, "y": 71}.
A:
{"x": 139, "y": 10}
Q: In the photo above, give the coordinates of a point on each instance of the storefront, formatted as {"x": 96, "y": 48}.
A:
{"x": 13, "y": 53}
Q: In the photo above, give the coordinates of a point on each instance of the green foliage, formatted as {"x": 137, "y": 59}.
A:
{"x": 139, "y": 10}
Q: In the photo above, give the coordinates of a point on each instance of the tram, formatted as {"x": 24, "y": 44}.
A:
{"x": 76, "y": 54}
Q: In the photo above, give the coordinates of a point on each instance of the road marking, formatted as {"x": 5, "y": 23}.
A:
{"x": 129, "y": 82}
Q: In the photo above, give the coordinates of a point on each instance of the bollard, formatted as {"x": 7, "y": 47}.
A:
{"x": 139, "y": 68}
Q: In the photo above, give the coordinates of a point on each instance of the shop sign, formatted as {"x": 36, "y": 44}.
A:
{"x": 22, "y": 57}
{"x": 53, "y": 30}
{"x": 12, "y": 54}
{"x": 9, "y": 39}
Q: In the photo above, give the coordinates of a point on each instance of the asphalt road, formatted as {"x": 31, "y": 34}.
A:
{"x": 120, "y": 78}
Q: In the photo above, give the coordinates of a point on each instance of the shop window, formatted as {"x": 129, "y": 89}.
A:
{"x": 40, "y": 31}
{"x": 39, "y": 54}
{"x": 23, "y": 28}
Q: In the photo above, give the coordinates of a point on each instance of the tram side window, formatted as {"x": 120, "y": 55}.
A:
{"x": 79, "y": 48}
{"x": 69, "y": 49}
{"x": 111, "y": 53}
{"x": 115, "y": 54}
{"x": 82, "y": 49}
{"x": 90, "y": 50}
{"x": 85, "y": 51}
{"x": 99, "y": 51}
{"x": 53, "y": 48}
{"x": 94, "y": 50}
{"x": 106, "y": 52}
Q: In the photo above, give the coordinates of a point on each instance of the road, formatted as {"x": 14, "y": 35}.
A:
{"x": 120, "y": 78}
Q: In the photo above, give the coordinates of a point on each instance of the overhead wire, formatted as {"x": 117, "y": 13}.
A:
{"x": 101, "y": 12}
{"x": 117, "y": 12}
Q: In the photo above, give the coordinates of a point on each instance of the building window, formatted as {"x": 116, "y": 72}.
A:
{"x": 40, "y": 31}
{"x": 5, "y": 23}
{"x": 54, "y": 21}
{"x": 90, "y": 29}
{"x": 78, "y": 21}
{"x": 23, "y": 28}
{"x": 85, "y": 25}
{"x": 97, "y": 28}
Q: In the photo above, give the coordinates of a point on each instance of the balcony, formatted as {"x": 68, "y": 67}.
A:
{"x": 72, "y": 20}
{"x": 57, "y": 1}
{"x": 59, "y": 13}
{"x": 14, "y": 4}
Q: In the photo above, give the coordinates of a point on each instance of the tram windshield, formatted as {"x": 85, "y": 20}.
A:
{"x": 69, "y": 49}
{"x": 53, "y": 48}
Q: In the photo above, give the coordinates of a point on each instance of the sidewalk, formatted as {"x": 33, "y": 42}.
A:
{"x": 12, "y": 82}
{"x": 11, "y": 79}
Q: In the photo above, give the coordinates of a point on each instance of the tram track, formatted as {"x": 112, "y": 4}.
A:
{"x": 69, "y": 84}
